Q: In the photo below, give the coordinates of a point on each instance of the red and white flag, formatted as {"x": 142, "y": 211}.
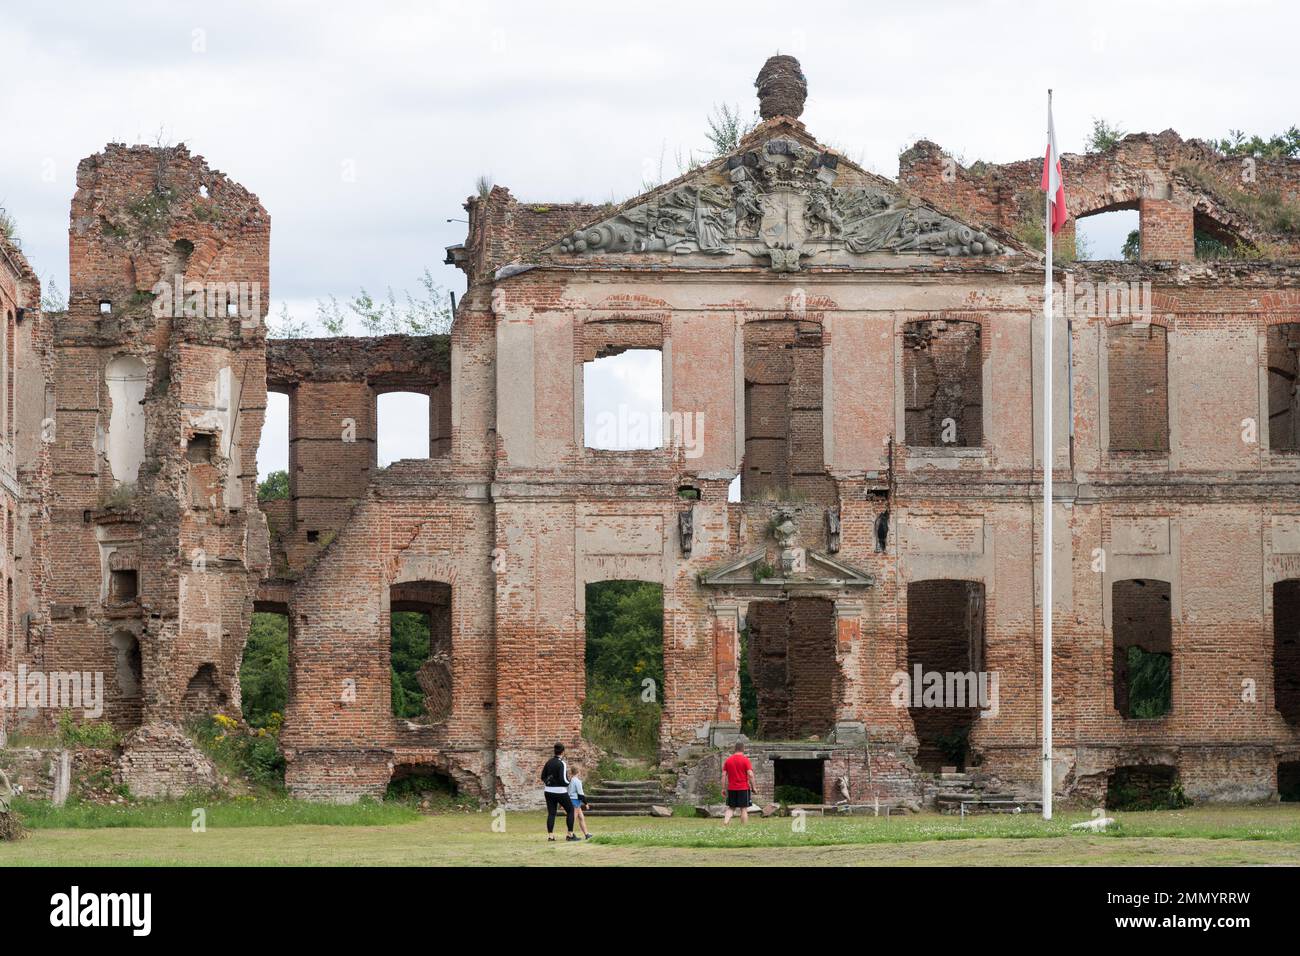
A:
{"x": 1053, "y": 181}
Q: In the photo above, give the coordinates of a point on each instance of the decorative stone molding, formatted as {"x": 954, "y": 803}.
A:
{"x": 779, "y": 202}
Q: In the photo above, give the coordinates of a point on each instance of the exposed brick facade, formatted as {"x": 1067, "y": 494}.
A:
{"x": 861, "y": 545}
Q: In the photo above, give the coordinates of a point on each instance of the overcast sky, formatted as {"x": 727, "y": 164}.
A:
{"x": 575, "y": 101}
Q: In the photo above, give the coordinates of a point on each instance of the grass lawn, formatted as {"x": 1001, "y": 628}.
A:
{"x": 1198, "y": 836}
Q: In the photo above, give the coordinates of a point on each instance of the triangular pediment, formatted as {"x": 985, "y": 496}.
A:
{"x": 816, "y": 570}
{"x": 779, "y": 200}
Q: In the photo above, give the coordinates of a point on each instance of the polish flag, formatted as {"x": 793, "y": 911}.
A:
{"x": 1053, "y": 182}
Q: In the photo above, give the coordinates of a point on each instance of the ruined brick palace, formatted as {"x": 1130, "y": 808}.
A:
{"x": 862, "y": 353}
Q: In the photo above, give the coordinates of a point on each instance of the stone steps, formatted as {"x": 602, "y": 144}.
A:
{"x": 625, "y": 798}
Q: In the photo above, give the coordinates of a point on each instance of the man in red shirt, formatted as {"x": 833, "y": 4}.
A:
{"x": 738, "y": 778}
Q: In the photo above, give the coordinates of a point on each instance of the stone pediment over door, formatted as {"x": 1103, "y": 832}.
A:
{"x": 783, "y": 202}
{"x": 810, "y": 573}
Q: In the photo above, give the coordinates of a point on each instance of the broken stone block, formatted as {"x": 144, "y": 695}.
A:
{"x": 660, "y": 811}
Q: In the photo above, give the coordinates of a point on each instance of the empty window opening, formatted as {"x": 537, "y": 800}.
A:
{"x": 123, "y": 586}
{"x": 688, "y": 493}
{"x": 264, "y": 670}
{"x": 790, "y": 657}
{"x": 105, "y": 307}
{"x": 1138, "y": 388}
{"x": 1288, "y": 781}
{"x": 422, "y": 785}
{"x": 798, "y": 780}
{"x": 943, "y": 384}
{"x": 881, "y": 534}
{"x": 1144, "y": 787}
{"x": 1286, "y": 650}
{"x": 313, "y": 537}
{"x": 420, "y": 650}
{"x": 1283, "y": 342}
{"x": 204, "y": 475}
{"x": 203, "y": 191}
{"x": 126, "y": 708}
{"x": 1111, "y": 234}
{"x": 784, "y": 454}
{"x": 182, "y": 249}
{"x": 624, "y": 667}
{"x": 945, "y": 647}
{"x": 203, "y": 694}
{"x": 125, "y": 378}
{"x": 200, "y": 447}
{"x": 733, "y": 489}
{"x": 273, "y": 449}
{"x": 402, "y": 426}
{"x": 1142, "y": 629}
{"x": 623, "y": 402}
{"x": 128, "y": 666}
{"x": 1213, "y": 240}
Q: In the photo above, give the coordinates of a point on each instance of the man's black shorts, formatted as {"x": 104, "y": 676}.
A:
{"x": 738, "y": 799}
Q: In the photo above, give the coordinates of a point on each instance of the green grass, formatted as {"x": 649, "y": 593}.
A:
{"x": 1234, "y": 823}
{"x": 1225, "y": 837}
{"x": 220, "y": 812}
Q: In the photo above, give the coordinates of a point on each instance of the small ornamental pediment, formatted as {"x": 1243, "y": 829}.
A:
{"x": 810, "y": 570}
{"x": 779, "y": 202}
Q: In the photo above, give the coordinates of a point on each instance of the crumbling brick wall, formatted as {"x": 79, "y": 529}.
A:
{"x": 1177, "y": 185}
{"x": 332, "y": 386}
{"x": 169, "y": 276}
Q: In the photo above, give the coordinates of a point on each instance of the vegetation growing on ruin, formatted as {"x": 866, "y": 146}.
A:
{"x": 250, "y": 753}
{"x": 1266, "y": 207}
{"x": 1285, "y": 145}
{"x": 727, "y": 127}
{"x": 429, "y": 793}
{"x": 426, "y": 313}
{"x": 1103, "y": 136}
{"x": 1031, "y": 230}
{"x": 86, "y": 733}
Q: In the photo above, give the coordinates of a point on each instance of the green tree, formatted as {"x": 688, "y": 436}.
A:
{"x": 625, "y": 623}
{"x": 274, "y": 487}
{"x": 1132, "y": 248}
{"x": 1150, "y": 683}
{"x": 264, "y": 676}
{"x": 410, "y": 649}
{"x": 1284, "y": 145}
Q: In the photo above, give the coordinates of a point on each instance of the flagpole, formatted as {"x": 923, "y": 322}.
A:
{"x": 1047, "y": 482}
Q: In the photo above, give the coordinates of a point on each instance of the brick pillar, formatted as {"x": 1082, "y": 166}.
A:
{"x": 848, "y": 644}
{"x": 1166, "y": 230}
{"x": 726, "y": 657}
